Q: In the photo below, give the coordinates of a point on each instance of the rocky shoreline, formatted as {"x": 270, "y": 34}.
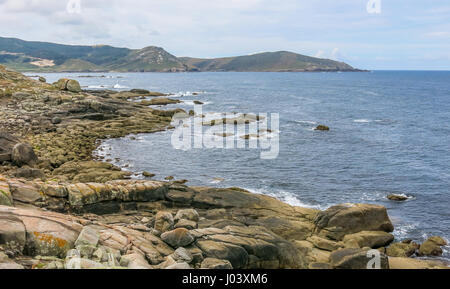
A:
{"x": 60, "y": 208}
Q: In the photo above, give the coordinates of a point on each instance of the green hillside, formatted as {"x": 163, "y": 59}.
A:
{"x": 268, "y": 61}
{"x": 49, "y": 57}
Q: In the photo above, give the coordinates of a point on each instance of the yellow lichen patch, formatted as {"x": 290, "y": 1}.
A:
{"x": 49, "y": 239}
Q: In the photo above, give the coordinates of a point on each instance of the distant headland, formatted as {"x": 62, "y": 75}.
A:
{"x": 31, "y": 56}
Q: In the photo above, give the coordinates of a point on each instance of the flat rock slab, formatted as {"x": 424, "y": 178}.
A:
{"x": 47, "y": 234}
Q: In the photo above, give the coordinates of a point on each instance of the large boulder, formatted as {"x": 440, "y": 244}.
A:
{"x": 338, "y": 221}
{"x": 432, "y": 246}
{"x": 371, "y": 239}
{"x": 68, "y": 84}
{"x": 263, "y": 248}
{"x": 187, "y": 214}
{"x": 7, "y": 142}
{"x": 182, "y": 255}
{"x": 73, "y": 86}
{"x": 178, "y": 238}
{"x": 29, "y": 173}
{"x": 236, "y": 255}
{"x": 402, "y": 249}
{"x": 23, "y": 154}
{"x": 163, "y": 221}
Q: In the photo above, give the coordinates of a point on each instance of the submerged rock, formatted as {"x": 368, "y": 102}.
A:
{"x": 398, "y": 198}
{"x": 148, "y": 174}
{"x": 322, "y": 128}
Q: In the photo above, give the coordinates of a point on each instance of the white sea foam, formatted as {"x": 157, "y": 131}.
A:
{"x": 362, "y": 120}
{"x": 286, "y": 197}
{"x": 305, "y": 122}
{"x": 97, "y": 86}
{"x": 404, "y": 231}
{"x": 191, "y": 102}
{"x": 371, "y": 93}
{"x": 372, "y": 197}
{"x": 217, "y": 181}
{"x": 118, "y": 86}
{"x": 186, "y": 93}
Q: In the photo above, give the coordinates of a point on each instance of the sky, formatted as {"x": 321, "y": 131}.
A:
{"x": 367, "y": 34}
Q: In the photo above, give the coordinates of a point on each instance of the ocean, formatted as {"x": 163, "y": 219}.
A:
{"x": 389, "y": 133}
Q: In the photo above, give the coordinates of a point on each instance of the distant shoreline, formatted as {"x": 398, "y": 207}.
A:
{"x": 218, "y": 71}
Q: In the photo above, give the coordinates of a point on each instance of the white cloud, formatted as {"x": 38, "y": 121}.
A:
{"x": 342, "y": 30}
{"x": 319, "y": 54}
{"x": 335, "y": 54}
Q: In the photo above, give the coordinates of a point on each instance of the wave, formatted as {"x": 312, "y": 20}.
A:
{"x": 118, "y": 86}
{"x": 404, "y": 231}
{"x": 286, "y": 197}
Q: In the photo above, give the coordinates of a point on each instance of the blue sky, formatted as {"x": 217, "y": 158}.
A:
{"x": 409, "y": 34}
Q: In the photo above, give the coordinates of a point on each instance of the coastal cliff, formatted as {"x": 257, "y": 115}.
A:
{"x": 61, "y": 208}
